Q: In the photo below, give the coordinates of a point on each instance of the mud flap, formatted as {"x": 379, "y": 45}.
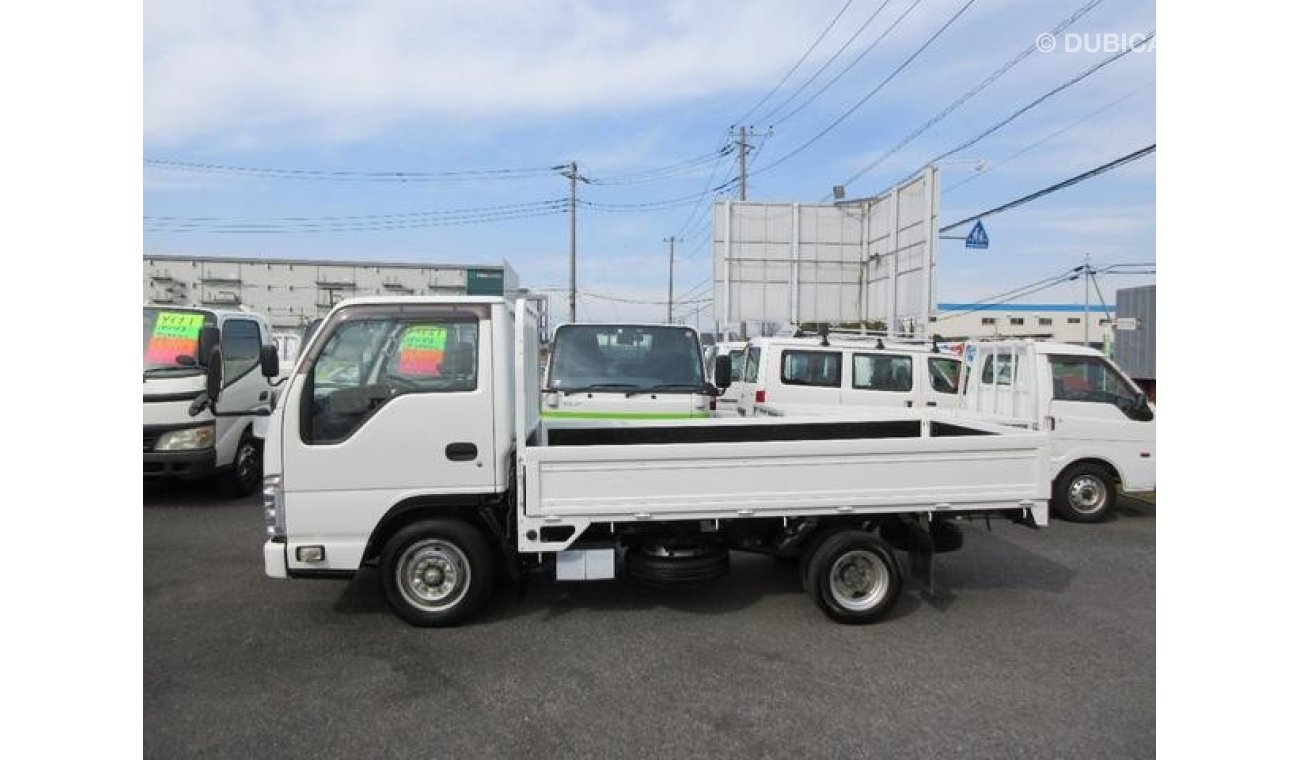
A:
{"x": 921, "y": 554}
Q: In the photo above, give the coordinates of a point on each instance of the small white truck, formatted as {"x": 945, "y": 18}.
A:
{"x": 410, "y": 437}
{"x": 181, "y": 446}
{"x": 627, "y": 372}
{"x": 1102, "y": 428}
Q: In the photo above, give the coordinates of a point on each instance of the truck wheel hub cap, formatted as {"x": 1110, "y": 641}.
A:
{"x": 433, "y": 574}
{"x": 859, "y": 580}
{"x": 1086, "y": 494}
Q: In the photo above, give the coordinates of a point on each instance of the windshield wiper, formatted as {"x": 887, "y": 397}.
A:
{"x": 590, "y": 388}
{"x": 667, "y": 387}
{"x": 156, "y": 370}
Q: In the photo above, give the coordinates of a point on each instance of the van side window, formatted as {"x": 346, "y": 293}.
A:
{"x": 821, "y": 368}
{"x": 1091, "y": 379}
{"x": 944, "y": 374}
{"x": 241, "y": 347}
{"x": 366, "y": 363}
{"x": 751, "y": 364}
{"x": 882, "y": 372}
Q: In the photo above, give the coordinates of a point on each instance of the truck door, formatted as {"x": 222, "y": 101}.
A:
{"x": 939, "y": 386}
{"x": 241, "y": 346}
{"x": 389, "y": 401}
{"x": 1096, "y": 411}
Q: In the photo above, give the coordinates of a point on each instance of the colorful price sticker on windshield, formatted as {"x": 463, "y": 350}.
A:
{"x": 174, "y": 334}
{"x": 422, "y": 350}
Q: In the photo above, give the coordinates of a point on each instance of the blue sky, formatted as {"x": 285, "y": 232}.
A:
{"x": 623, "y": 88}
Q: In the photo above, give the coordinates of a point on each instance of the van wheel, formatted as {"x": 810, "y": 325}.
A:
{"x": 854, "y": 577}
{"x": 1083, "y": 493}
{"x": 437, "y": 572}
{"x": 245, "y": 473}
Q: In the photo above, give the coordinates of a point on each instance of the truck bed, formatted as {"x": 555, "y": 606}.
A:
{"x": 575, "y": 474}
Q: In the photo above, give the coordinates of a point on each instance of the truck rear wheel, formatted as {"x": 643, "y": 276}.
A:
{"x": 437, "y": 572}
{"x": 1083, "y": 493}
{"x": 854, "y": 577}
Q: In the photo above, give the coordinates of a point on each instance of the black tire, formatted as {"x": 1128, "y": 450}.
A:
{"x": 1084, "y": 493}
{"x": 653, "y": 565}
{"x": 245, "y": 472}
{"x": 449, "y": 553}
{"x": 854, "y": 577}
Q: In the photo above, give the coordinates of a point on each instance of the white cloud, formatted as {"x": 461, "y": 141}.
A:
{"x": 350, "y": 67}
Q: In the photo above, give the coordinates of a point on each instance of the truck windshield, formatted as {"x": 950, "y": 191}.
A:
{"x": 627, "y": 357}
{"x": 169, "y": 333}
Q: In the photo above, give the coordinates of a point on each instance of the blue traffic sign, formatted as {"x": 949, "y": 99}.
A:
{"x": 978, "y": 237}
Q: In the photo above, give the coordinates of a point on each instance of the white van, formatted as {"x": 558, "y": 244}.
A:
{"x": 788, "y": 373}
{"x": 1102, "y": 428}
{"x": 178, "y": 446}
{"x": 625, "y": 371}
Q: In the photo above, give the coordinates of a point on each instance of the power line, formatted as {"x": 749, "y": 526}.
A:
{"x": 771, "y": 114}
{"x": 1135, "y": 155}
{"x": 797, "y": 64}
{"x": 1094, "y": 114}
{"x": 407, "y": 220}
{"x": 331, "y": 175}
{"x": 988, "y": 81}
{"x": 1032, "y": 104}
{"x": 994, "y": 301}
{"x": 898, "y": 70}
{"x": 671, "y": 171}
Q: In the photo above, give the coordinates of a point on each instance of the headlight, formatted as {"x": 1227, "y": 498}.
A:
{"x": 273, "y": 506}
{"x": 187, "y": 439}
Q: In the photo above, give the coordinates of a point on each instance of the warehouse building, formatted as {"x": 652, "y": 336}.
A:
{"x": 1067, "y": 323}
{"x": 292, "y": 292}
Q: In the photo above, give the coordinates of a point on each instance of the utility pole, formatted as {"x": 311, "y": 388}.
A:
{"x": 670, "y": 240}
{"x": 742, "y": 155}
{"x": 1087, "y": 323}
{"x": 572, "y": 173}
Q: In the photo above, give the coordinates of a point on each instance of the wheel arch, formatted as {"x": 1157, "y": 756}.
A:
{"x": 1102, "y": 462}
{"x": 472, "y": 509}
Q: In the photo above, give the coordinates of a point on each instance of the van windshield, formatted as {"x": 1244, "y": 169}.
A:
{"x": 169, "y": 333}
{"x": 626, "y": 358}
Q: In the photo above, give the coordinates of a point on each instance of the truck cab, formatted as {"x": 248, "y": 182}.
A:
{"x": 625, "y": 371}
{"x": 1101, "y": 426}
{"x": 786, "y": 374}
{"x": 178, "y": 446}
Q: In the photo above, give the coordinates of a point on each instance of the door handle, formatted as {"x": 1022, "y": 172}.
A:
{"x": 932, "y": 403}
{"x": 908, "y": 404}
{"x": 461, "y": 452}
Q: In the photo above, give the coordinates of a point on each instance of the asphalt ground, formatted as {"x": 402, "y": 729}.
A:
{"x": 1040, "y": 643}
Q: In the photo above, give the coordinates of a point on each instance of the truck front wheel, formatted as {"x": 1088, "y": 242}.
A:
{"x": 437, "y": 572}
{"x": 1083, "y": 493}
{"x": 854, "y": 577}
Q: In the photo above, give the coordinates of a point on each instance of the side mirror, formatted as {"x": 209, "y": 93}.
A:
{"x": 215, "y": 378}
{"x": 270, "y": 360}
{"x": 209, "y": 339}
{"x": 722, "y": 371}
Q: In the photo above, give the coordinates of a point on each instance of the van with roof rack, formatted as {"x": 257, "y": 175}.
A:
{"x": 789, "y": 373}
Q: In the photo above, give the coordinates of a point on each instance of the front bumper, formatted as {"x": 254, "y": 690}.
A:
{"x": 179, "y": 465}
{"x": 273, "y": 557}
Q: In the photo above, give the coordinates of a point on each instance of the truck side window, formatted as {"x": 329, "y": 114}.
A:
{"x": 944, "y": 374}
{"x": 752, "y": 356}
{"x": 1090, "y": 379}
{"x": 882, "y": 372}
{"x": 821, "y": 368}
{"x": 241, "y": 346}
{"x": 1003, "y": 363}
{"x": 366, "y": 363}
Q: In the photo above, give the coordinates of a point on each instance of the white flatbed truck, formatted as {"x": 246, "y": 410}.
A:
{"x": 410, "y": 437}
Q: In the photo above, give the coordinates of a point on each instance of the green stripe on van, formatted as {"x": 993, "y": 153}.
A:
{"x": 622, "y": 415}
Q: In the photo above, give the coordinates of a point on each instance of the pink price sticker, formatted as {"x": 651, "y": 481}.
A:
{"x": 174, "y": 334}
